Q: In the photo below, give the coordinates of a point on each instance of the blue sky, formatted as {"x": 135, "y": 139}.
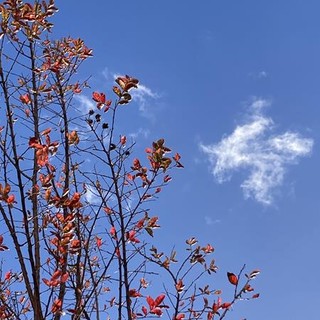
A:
{"x": 234, "y": 87}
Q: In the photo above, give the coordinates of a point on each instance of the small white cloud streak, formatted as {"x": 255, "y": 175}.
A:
{"x": 209, "y": 221}
{"x": 91, "y": 197}
{"x": 262, "y": 74}
{"x": 259, "y": 75}
{"x": 258, "y": 105}
{"x": 85, "y": 104}
{"x": 143, "y": 96}
{"x": 251, "y": 146}
{"x": 141, "y": 132}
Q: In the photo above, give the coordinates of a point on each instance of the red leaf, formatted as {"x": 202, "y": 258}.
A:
{"x": 226, "y": 305}
{"x": 131, "y": 237}
{"x": 98, "y": 242}
{"x": 25, "y": 98}
{"x": 159, "y": 299}
{"x": 99, "y": 97}
{"x": 112, "y": 231}
{"x": 136, "y": 164}
{"x": 56, "y": 274}
{"x": 179, "y": 286}
{"x": 140, "y": 223}
{"x": 156, "y": 311}
{"x": 117, "y": 91}
{"x": 64, "y": 277}
{"x": 130, "y": 177}
{"x": 134, "y": 293}
{"x": 180, "y": 316}
{"x": 46, "y": 282}
{"x": 248, "y": 288}
{"x": 208, "y": 249}
{"x": 11, "y": 199}
{"x": 150, "y": 302}
{"x": 46, "y": 131}
{"x": 56, "y": 306}
{"x": 33, "y": 142}
{"x": 7, "y": 276}
{"x": 215, "y": 307}
{"x": 177, "y": 157}
{"x": 123, "y": 140}
{"x": 233, "y": 279}
{"x": 253, "y": 274}
{"x": 144, "y": 310}
{"x": 255, "y": 296}
{"x": 107, "y": 210}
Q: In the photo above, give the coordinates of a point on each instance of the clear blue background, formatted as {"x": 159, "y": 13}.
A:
{"x": 205, "y": 59}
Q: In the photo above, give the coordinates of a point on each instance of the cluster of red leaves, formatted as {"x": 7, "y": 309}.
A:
{"x": 5, "y": 196}
{"x": 31, "y": 19}
{"x": 158, "y": 161}
{"x": 156, "y": 155}
{"x": 63, "y": 239}
{"x": 148, "y": 224}
{"x": 25, "y": 98}
{"x": 58, "y": 56}
{"x": 131, "y": 236}
{"x": 101, "y": 100}
{"x": 6, "y": 297}
{"x": 125, "y": 84}
{"x": 56, "y": 279}
{"x": 218, "y": 305}
{"x": 56, "y": 306}
{"x": 234, "y": 280}
{"x": 155, "y": 306}
{"x": 44, "y": 149}
{"x": 73, "y": 138}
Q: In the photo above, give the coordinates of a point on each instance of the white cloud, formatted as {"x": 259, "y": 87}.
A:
{"x": 106, "y": 74}
{"x": 259, "y": 75}
{"x": 253, "y": 147}
{"x": 145, "y": 97}
{"x": 85, "y": 104}
{"x": 258, "y": 104}
{"x": 209, "y": 221}
{"x": 92, "y": 197}
{"x": 140, "y": 133}
{"x": 262, "y": 74}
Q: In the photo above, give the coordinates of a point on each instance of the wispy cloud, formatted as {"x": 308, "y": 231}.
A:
{"x": 92, "y": 197}
{"x": 262, "y": 74}
{"x": 143, "y": 96}
{"x": 84, "y": 103}
{"x": 144, "y": 133}
{"x": 259, "y": 75}
{"x": 253, "y": 146}
{"x": 210, "y": 221}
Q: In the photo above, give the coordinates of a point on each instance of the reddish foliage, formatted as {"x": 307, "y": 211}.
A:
{"x": 74, "y": 198}
{"x": 233, "y": 279}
